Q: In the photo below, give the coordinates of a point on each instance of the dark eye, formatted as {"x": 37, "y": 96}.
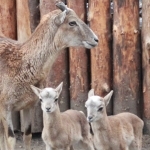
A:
{"x": 100, "y": 109}
{"x": 40, "y": 100}
{"x": 72, "y": 23}
{"x": 56, "y": 100}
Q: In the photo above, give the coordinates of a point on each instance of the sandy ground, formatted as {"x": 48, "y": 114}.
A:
{"x": 37, "y": 143}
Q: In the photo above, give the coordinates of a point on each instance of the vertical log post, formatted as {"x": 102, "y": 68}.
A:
{"x": 59, "y": 70}
{"x": 34, "y": 14}
{"x": 23, "y": 23}
{"x": 23, "y": 32}
{"x": 146, "y": 63}
{"x": 8, "y": 18}
{"x": 8, "y": 28}
{"x": 78, "y": 64}
{"x": 126, "y": 57}
{"x": 36, "y": 113}
{"x": 101, "y": 63}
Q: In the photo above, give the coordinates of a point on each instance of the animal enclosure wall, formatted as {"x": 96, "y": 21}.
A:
{"x": 116, "y": 63}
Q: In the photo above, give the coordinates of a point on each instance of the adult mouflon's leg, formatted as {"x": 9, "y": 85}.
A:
{"x": 8, "y": 130}
{"x": 27, "y": 128}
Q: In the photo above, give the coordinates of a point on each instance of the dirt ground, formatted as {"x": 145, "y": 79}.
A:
{"x": 38, "y": 144}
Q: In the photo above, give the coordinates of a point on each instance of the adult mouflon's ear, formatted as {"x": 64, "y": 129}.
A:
{"x": 91, "y": 93}
{"x": 58, "y": 89}
{"x": 36, "y": 90}
{"x": 59, "y": 19}
{"x": 108, "y": 97}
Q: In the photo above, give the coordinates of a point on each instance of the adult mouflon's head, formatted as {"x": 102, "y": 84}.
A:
{"x": 96, "y": 106}
{"x": 72, "y": 30}
{"x": 48, "y": 97}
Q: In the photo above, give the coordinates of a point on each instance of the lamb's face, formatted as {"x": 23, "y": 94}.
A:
{"x": 74, "y": 32}
{"x": 48, "y": 97}
{"x": 95, "y": 108}
{"x": 49, "y": 100}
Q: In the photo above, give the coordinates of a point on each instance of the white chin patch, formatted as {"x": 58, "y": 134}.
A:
{"x": 87, "y": 45}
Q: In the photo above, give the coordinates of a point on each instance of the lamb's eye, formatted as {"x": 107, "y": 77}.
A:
{"x": 100, "y": 109}
{"x": 56, "y": 100}
{"x": 41, "y": 100}
{"x": 72, "y": 23}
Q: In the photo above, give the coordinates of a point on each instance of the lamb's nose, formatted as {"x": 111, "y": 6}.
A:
{"x": 90, "y": 118}
{"x": 48, "y": 108}
{"x": 96, "y": 40}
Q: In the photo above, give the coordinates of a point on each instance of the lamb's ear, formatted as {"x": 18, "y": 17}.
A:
{"x": 108, "y": 97}
{"x": 36, "y": 90}
{"x": 91, "y": 93}
{"x": 59, "y": 19}
{"x": 59, "y": 89}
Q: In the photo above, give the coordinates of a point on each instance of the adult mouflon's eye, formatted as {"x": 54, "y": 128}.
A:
{"x": 72, "y": 23}
{"x": 100, "y": 109}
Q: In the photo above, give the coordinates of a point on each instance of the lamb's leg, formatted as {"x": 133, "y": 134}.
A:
{"x": 86, "y": 144}
{"x": 48, "y": 147}
{"x": 8, "y": 130}
{"x": 27, "y": 136}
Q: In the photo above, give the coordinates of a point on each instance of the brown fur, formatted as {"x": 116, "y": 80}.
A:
{"x": 66, "y": 129}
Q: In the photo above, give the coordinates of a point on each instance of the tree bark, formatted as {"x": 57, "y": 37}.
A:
{"x": 79, "y": 84}
{"x": 23, "y": 23}
{"x": 146, "y": 63}
{"x": 23, "y": 33}
{"x": 8, "y": 18}
{"x": 59, "y": 70}
{"x": 126, "y": 57}
{"x": 34, "y": 14}
{"x": 101, "y": 63}
{"x": 36, "y": 112}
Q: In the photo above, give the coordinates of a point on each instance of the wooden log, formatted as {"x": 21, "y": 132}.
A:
{"x": 36, "y": 113}
{"x": 23, "y": 23}
{"x": 146, "y": 63}
{"x": 24, "y": 26}
{"x": 8, "y": 18}
{"x": 126, "y": 57}
{"x": 8, "y": 29}
{"x": 79, "y": 83}
{"x": 34, "y": 14}
{"x": 23, "y": 32}
{"x": 101, "y": 63}
{"x": 59, "y": 70}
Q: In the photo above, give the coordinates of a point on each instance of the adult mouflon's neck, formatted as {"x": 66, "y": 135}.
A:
{"x": 41, "y": 50}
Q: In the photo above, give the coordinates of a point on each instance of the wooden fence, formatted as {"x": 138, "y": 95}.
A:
{"x": 120, "y": 61}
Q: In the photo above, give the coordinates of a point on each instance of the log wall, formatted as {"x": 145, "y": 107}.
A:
{"x": 126, "y": 57}
{"x": 119, "y": 62}
{"x": 146, "y": 64}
